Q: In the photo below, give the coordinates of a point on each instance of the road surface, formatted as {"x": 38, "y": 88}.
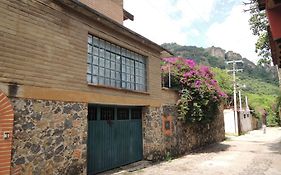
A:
{"x": 254, "y": 153}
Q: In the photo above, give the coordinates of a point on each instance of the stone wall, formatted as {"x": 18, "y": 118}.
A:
{"x": 183, "y": 138}
{"x": 50, "y": 137}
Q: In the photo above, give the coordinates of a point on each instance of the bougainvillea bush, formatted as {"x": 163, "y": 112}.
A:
{"x": 200, "y": 94}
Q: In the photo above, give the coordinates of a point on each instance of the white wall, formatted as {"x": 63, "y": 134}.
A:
{"x": 229, "y": 121}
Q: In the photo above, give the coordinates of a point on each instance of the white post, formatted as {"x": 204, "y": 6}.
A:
{"x": 169, "y": 76}
{"x": 234, "y": 100}
{"x": 240, "y": 101}
{"x": 247, "y": 106}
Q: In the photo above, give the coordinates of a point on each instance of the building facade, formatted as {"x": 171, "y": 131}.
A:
{"x": 82, "y": 93}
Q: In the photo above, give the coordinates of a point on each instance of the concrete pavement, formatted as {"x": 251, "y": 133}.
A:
{"x": 254, "y": 153}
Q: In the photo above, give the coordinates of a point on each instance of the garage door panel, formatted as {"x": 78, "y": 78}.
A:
{"x": 113, "y": 143}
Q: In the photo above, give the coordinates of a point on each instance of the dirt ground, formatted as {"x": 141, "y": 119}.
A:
{"x": 254, "y": 153}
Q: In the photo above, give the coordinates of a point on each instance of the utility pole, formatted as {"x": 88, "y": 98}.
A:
{"x": 234, "y": 70}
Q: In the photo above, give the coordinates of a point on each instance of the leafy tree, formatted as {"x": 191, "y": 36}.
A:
{"x": 258, "y": 24}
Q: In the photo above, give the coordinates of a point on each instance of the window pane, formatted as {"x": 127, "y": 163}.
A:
{"x": 123, "y": 76}
{"x": 118, "y": 59}
{"x": 92, "y": 113}
{"x": 112, "y": 65}
{"x": 101, "y": 63}
{"x": 136, "y": 113}
{"x": 118, "y": 49}
{"x": 113, "y": 48}
{"x": 107, "y": 55}
{"x": 107, "y": 73}
{"x": 107, "y": 82}
{"x": 112, "y": 74}
{"x": 107, "y": 113}
{"x": 89, "y": 60}
{"x": 89, "y": 78}
{"x": 101, "y": 80}
{"x": 101, "y": 71}
{"x": 122, "y": 114}
{"x": 95, "y": 60}
{"x": 118, "y": 84}
{"x": 89, "y": 69}
{"x": 102, "y": 43}
{"x": 95, "y": 80}
{"x": 90, "y": 41}
{"x": 123, "y": 84}
{"x": 118, "y": 75}
{"x": 137, "y": 87}
{"x": 123, "y": 68}
{"x": 90, "y": 49}
{"x": 102, "y": 53}
{"x": 96, "y": 41}
{"x": 117, "y": 66}
{"x": 107, "y": 63}
{"x": 95, "y": 70}
{"x": 112, "y": 57}
{"x": 107, "y": 46}
{"x": 112, "y": 83}
{"x": 96, "y": 51}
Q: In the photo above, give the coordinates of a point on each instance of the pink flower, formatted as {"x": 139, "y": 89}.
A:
{"x": 190, "y": 63}
{"x": 197, "y": 83}
{"x": 171, "y": 59}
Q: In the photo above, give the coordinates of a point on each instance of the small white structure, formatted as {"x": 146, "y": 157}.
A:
{"x": 229, "y": 122}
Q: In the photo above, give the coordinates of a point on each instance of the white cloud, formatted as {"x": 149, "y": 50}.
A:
{"x": 159, "y": 21}
{"x": 234, "y": 34}
{"x": 164, "y": 21}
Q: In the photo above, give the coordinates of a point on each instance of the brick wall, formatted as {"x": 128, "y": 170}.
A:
{"x": 44, "y": 45}
{"x": 110, "y": 8}
{"x": 6, "y": 126}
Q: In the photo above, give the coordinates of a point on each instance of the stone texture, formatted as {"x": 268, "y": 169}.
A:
{"x": 185, "y": 137}
{"x": 46, "y": 141}
{"x": 216, "y": 52}
{"x": 230, "y": 55}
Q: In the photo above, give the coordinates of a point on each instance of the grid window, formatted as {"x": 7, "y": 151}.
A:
{"x": 122, "y": 114}
{"x": 112, "y": 65}
{"x": 107, "y": 113}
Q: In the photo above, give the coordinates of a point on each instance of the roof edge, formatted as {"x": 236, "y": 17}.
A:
{"x": 73, "y": 4}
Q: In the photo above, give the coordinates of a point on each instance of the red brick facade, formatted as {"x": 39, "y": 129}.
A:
{"x": 6, "y": 126}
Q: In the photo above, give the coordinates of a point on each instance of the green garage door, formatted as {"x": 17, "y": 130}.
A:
{"x": 114, "y": 137}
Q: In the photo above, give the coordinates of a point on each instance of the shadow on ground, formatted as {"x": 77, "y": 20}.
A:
{"x": 213, "y": 148}
{"x": 275, "y": 147}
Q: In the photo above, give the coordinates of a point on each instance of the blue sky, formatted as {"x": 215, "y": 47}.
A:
{"x": 203, "y": 23}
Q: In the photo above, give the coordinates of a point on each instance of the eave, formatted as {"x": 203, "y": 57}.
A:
{"x": 81, "y": 8}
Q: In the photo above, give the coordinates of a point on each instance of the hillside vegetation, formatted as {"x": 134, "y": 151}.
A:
{"x": 258, "y": 82}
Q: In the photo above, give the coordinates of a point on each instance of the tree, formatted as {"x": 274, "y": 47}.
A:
{"x": 258, "y": 24}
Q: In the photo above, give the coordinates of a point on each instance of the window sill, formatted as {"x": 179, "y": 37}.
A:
{"x": 119, "y": 89}
{"x": 169, "y": 89}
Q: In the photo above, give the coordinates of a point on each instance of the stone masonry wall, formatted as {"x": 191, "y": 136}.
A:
{"x": 49, "y": 137}
{"x": 183, "y": 138}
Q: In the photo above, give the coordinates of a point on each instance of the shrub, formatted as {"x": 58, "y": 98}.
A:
{"x": 200, "y": 94}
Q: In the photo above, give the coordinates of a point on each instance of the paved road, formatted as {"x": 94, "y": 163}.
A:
{"x": 254, "y": 153}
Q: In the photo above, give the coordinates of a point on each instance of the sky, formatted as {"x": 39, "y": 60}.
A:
{"x": 201, "y": 23}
